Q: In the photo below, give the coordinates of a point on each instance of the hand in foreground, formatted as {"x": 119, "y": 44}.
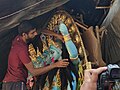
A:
{"x": 61, "y": 63}
{"x": 91, "y": 77}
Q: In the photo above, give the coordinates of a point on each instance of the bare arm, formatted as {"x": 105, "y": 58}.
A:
{"x": 51, "y": 33}
{"x": 42, "y": 70}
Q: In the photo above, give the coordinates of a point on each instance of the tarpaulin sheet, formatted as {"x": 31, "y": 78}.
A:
{"x": 14, "y": 11}
{"x": 111, "y": 39}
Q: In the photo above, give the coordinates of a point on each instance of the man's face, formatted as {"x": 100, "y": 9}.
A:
{"x": 31, "y": 35}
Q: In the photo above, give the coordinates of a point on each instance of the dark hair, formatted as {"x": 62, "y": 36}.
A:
{"x": 25, "y": 27}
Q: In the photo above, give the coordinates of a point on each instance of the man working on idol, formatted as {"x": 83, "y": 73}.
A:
{"x": 19, "y": 61}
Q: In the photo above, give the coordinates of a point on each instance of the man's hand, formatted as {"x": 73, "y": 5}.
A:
{"x": 61, "y": 63}
{"x": 51, "y": 33}
{"x": 91, "y": 77}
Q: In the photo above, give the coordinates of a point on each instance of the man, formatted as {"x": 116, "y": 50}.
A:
{"x": 19, "y": 62}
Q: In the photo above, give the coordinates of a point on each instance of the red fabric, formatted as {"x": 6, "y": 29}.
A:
{"x": 17, "y": 58}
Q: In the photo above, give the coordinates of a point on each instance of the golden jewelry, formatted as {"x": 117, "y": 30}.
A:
{"x": 67, "y": 37}
{"x": 76, "y": 58}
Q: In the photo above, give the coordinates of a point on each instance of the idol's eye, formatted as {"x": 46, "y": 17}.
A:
{"x": 51, "y": 52}
{"x": 43, "y": 38}
{"x": 51, "y": 37}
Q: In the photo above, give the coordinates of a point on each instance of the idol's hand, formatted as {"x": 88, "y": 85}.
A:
{"x": 63, "y": 29}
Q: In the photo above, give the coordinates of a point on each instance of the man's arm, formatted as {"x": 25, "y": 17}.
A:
{"x": 51, "y": 33}
{"x": 42, "y": 70}
{"x": 23, "y": 55}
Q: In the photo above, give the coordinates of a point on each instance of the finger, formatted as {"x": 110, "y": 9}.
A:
{"x": 61, "y": 62}
{"x": 65, "y": 63}
{"x": 65, "y": 59}
{"x": 87, "y": 75}
{"x": 100, "y": 70}
{"x": 63, "y": 66}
